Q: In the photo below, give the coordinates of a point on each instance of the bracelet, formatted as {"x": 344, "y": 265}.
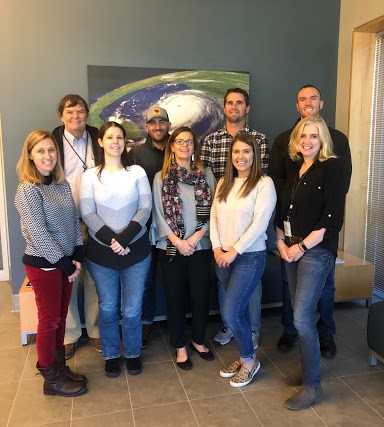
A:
{"x": 303, "y": 246}
{"x": 279, "y": 238}
{"x": 299, "y": 245}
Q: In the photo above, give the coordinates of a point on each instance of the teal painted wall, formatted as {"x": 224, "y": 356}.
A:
{"x": 45, "y": 47}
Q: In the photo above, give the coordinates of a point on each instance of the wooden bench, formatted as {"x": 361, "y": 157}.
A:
{"x": 353, "y": 278}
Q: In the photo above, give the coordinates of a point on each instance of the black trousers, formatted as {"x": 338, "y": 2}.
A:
{"x": 187, "y": 274}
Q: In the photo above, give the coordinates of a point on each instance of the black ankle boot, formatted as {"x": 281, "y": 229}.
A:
{"x": 61, "y": 363}
{"x": 57, "y": 383}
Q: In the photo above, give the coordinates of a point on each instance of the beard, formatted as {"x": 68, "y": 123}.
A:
{"x": 236, "y": 119}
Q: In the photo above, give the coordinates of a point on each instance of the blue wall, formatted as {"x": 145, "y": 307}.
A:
{"x": 45, "y": 48}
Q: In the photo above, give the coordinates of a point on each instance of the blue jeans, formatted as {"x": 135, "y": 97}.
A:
{"x": 149, "y": 297}
{"x": 306, "y": 279}
{"x": 254, "y": 306}
{"x": 120, "y": 291}
{"x": 240, "y": 280}
{"x": 325, "y": 324}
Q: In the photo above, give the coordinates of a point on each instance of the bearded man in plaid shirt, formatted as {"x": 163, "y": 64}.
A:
{"x": 214, "y": 155}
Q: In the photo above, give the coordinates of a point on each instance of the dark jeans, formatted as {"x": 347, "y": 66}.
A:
{"x": 52, "y": 294}
{"x": 325, "y": 324}
{"x": 306, "y": 278}
{"x": 187, "y": 274}
{"x": 148, "y": 310}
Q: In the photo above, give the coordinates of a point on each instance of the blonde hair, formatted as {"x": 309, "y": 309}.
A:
{"x": 326, "y": 144}
{"x": 26, "y": 168}
{"x": 168, "y": 153}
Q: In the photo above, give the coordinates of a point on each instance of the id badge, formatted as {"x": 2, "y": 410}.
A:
{"x": 287, "y": 228}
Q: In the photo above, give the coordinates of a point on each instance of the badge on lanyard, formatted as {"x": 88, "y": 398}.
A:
{"x": 287, "y": 228}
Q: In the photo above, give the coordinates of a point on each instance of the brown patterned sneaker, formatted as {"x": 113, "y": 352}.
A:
{"x": 244, "y": 377}
{"x": 231, "y": 371}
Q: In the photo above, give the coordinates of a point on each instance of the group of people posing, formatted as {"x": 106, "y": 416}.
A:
{"x": 179, "y": 204}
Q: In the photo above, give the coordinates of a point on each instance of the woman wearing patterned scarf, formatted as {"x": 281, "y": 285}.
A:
{"x": 182, "y": 196}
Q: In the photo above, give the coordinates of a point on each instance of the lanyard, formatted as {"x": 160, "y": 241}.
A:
{"x": 85, "y": 167}
{"x": 294, "y": 191}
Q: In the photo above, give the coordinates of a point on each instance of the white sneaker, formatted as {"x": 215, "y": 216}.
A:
{"x": 255, "y": 339}
{"x": 223, "y": 336}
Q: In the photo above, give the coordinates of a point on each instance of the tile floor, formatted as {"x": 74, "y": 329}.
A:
{"x": 165, "y": 396}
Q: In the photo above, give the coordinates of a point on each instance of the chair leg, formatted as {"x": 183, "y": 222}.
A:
{"x": 372, "y": 359}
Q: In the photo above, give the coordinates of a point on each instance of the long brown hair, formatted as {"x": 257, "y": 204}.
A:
{"x": 231, "y": 172}
{"x": 168, "y": 154}
{"x": 26, "y": 168}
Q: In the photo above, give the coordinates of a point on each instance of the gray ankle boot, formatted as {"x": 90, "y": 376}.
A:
{"x": 306, "y": 397}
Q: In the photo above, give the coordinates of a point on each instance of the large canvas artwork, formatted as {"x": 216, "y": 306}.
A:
{"x": 191, "y": 97}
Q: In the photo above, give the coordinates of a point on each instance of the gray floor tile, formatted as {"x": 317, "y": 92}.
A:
{"x": 340, "y": 406}
{"x": 157, "y": 350}
{"x": 158, "y": 384}
{"x": 104, "y": 395}
{"x": 228, "y": 411}
{"x": 10, "y": 335}
{"x": 32, "y": 407}
{"x": 348, "y": 361}
{"x": 369, "y": 387}
{"x": 268, "y": 404}
{"x": 12, "y": 362}
{"x": 7, "y": 397}
{"x": 87, "y": 358}
{"x": 116, "y": 419}
{"x": 176, "y": 414}
{"x": 204, "y": 379}
{"x": 164, "y": 395}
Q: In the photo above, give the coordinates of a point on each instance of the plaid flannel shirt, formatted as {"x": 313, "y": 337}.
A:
{"x": 214, "y": 151}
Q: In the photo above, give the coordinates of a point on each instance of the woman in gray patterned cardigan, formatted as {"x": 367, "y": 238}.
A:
{"x": 53, "y": 255}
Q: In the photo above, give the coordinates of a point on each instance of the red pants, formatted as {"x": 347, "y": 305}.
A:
{"x": 52, "y": 293}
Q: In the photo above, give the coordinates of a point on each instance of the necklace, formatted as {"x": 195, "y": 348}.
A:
{"x": 85, "y": 167}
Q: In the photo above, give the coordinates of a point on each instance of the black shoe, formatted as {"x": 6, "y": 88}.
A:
{"x": 327, "y": 346}
{"x": 286, "y": 342}
{"x": 133, "y": 365}
{"x": 112, "y": 367}
{"x": 146, "y": 332}
{"x": 186, "y": 365}
{"x": 204, "y": 355}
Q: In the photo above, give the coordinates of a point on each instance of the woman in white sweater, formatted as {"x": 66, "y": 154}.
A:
{"x": 240, "y": 214}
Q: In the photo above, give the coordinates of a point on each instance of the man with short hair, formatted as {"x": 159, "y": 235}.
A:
{"x": 309, "y": 103}
{"x": 79, "y": 150}
{"x": 150, "y": 157}
{"x": 214, "y": 155}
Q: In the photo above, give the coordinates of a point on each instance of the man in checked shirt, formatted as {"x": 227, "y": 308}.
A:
{"x": 214, "y": 155}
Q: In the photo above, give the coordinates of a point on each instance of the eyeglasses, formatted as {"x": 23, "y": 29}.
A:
{"x": 181, "y": 141}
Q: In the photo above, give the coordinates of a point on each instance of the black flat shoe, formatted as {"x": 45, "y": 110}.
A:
{"x": 186, "y": 365}
{"x": 204, "y": 355}
{"x": 112, "y": 367}
{"x": 133, "y": 365}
